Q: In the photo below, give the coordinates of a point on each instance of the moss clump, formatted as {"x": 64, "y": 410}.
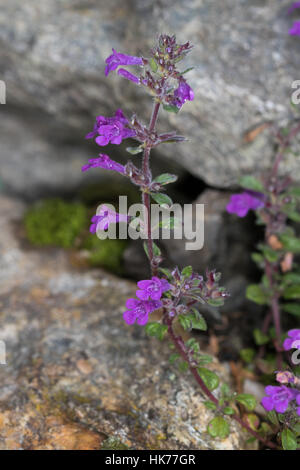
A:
{"x": 55, "y": 222}
{"x": 112, "y": 443}
{"x": 105, "y": 253}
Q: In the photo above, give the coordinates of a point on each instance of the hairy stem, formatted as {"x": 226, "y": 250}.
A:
{"x": 179, "y": 345}
{"x": 275, "y": 309}
{"x": 146, "y": 195}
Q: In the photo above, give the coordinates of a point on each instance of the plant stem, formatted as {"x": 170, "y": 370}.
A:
{"x": 179, "y": 345}
{"x": 275, "y": 312}
{"x": 146, "y": 195}
{"x": 284, "y": 144}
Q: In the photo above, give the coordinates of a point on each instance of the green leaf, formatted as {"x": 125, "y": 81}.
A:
{"x": 185, "y": 321}
{"x": 187, "y": 272}
{"x": 204, "y": 359}
{"x": 187, "y": 70}
{"x": 247, "y": 355}
{"x": 198, "y": 322}
{"x": 156, "y": 249}
{"x": 156, "y": 329}
{"x": 293, "y": 278}
{"x": 272, "y": 416}
{"x": 134, "y": 150}
{"x": 210, "y": 405}
{"x": 290, "y": 243}
{"x": 293, "y": 309}
{"x": 166, "y": 272}
{"x": 271, "y": 255}
{"x": 170, "y": 223}
{"x": 165, "y": 178}
{"x": 153, "y": 65}
{"x": 247, "y": 400}
{"x": 170, "y": 109}
{"x": 288, "y": 440}
{"x": 250, "y": 182}
{"x": 162, "y": 199}
{"x": 295, "y": 192}
{"x": 218, "y": 427}
{"x": 291, "y": 211}
{"x": 210, "y": 379}
{"x": 216, "y": 302}
{"x": 256, "y": 294}
{"x": 259, "y": 337}
{"x": 257, "y": 258}
{"x": 292, "y": 292}
{"x": 228, "y": 410}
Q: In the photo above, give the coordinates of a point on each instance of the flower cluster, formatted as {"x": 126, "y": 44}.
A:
{"x": 293, "y": 340}
{"x": 103, "y": 161}
{"x": 159, "y": 72}
{"x": 240, "y": 204}
{"x": 111, "y": 129}
{"x": 116, "y": 59}
{"x": 149, "y": 294}
{"x": 295, "y": 29}
{"x": 279, "y": 398}
{"x": 105, "y": 217}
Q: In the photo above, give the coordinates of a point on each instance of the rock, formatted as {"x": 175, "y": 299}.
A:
{"x": 76, "y": 374}
{"x": 52, "y": 59}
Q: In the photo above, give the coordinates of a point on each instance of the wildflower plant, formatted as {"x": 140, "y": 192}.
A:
{"x": 176, "y": 294}
{"x": 275, "y": 199}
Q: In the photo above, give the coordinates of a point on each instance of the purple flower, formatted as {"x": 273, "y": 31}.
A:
{"x": 285, "y": 377}
{"x": 139, "y": 310}
{"x": 105, "y": 217}
{"x": 294, "y": 6}
{"x": 278, "y": 398}
{"x": 241, "y": 203}
{"x": 298, "y": 403}
{"x": 111, "y": 129}
{"x": 116, "y": 59}
{"x": 293, "y": 342}
{"x": 152, "y": 289}
{"x": 295, "y": 29}
{"x": 183, "y": 93}
{"x": 103, "y": 161}
{"x": 128, "y": 75}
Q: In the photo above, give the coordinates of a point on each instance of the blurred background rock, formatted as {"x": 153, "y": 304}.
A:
{"x": 61, "y": 320}
{"x": 52, "y": 59}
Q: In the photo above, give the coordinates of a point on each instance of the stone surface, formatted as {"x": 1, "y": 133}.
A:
{"x": 52, "y": 59}
{"x": 75, "y": 373}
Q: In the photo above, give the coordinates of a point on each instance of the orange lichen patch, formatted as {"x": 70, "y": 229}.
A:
{"x": 84, "y": 366}
{"x": 287, "y": 262}
{"x": 69, "y": 437}
{"x": 274, "y": 243}
{"x": 253, "y": 133}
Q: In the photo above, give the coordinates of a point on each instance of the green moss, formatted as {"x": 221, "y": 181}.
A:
{"x": 112, "y": 443}
{"x": 55, "y": 222}
{"x": 105, "y": 253}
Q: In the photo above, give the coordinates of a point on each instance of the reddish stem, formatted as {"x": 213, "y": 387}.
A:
{"x": 146, "y": 195}
{"x": 179, "y": 345}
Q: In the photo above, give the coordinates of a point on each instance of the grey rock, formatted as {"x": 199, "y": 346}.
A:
{"x": 75, "y": 373}
{"x": 52, "y": 59}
